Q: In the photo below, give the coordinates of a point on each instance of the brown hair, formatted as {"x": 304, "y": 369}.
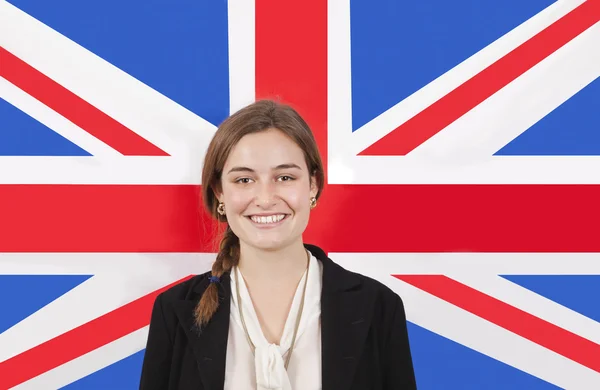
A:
{"x": 256, "y": 117}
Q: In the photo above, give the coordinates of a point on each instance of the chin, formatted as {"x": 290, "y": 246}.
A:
{"x": 270, "y": 243}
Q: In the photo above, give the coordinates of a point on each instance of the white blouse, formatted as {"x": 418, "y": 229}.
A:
{"x": 265, "y": 370}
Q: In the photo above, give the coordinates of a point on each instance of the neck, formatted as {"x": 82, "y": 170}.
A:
{"x": 278, "y": 267}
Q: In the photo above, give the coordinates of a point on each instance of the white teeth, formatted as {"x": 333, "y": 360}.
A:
{"x": 269, "y": 219}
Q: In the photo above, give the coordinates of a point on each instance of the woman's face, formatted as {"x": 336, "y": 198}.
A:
{"x": 266, "y": 189}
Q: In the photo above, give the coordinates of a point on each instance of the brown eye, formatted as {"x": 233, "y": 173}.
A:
{"x": 286, "y": 178}
{"x": 243, "y": 180}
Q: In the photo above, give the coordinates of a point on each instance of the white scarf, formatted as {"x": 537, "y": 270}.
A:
{"x": 268, "y": 357}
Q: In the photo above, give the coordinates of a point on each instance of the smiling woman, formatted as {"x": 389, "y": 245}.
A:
{"x": 274, "y": 312}
{"x": 263, "y": 164}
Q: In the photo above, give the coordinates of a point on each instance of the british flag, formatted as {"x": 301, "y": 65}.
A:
{"x": 462, "y": 144}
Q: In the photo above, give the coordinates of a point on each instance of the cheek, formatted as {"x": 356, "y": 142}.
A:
{"x": 236, "y": 200}
{"x": 298, "y": 199}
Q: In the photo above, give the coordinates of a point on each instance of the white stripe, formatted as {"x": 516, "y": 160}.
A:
{"x": 118, "y": 280}
{"x": 166, "y": 124}
{"x": 471, "y": 331}
{"x": 357, "y": 170}
{"x": 89, "y": 363}
{"x": 401, "y": 263}
{"x": 339, "y": 90}
{"x": 423, "y": 98}
{"x": 52, "y": 120}
{"x": 529, "y": 301}
{"x": 92, "y": 170}
{"x": 484, "y": 263}
{"x": 241, "y": 53}
{"x": 171, "y": 265}
{"x": 518, "y": 106}
{"x": 490, "y": 170}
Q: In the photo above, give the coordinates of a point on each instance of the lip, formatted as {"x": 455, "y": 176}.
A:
{"x": 264, "y": 214}
{"x": 267, "y": 225}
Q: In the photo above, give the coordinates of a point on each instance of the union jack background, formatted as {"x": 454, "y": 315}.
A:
{"x": 462, "y": 144}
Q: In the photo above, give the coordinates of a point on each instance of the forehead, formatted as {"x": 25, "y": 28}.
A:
{"x": 265, "y": 149}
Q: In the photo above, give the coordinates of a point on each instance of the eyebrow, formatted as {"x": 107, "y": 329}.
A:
{"x": 278, "y": 167}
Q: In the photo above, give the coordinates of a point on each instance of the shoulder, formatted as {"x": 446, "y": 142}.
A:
{"x": 338, "y": 278}
{"x": 387, "y": 308}
{"x": 187, "y": 290}
{"x": 376, "y": 301}
{"x": 382, "y": 294}
{"x": 176, "y": 303}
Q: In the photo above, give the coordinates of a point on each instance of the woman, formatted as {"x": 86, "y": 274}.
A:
{"x": 274, "y": 313}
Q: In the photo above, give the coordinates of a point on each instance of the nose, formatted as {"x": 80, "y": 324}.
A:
{"x": 265, "y": 195}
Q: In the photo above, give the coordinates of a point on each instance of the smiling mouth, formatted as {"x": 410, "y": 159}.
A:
{"x": 267, "y": 219}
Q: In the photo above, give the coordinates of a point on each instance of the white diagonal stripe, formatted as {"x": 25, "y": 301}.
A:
{"x": 482, "y": 336}
{"x": 53, "y": 120}
{"x": 423, "y": 98}
{"x": 531, "y": 302}
{"x": 89, "y": 363}
{"x": 471, "y": 331}
{"x": 118, "y": 279}
{"x": 160, "y": 120}
{"x": 505, "y": 115}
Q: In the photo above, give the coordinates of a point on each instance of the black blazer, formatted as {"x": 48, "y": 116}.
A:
{"x": 363, "y": 332}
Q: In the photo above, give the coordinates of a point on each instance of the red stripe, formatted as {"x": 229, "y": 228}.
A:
{"x": 532, "y": 328}
{"x": 291, "y": 64}
{"x": 79, "y": 341}
{"x": 74, "y": 108}
{"x": 457, "y": 218}
{"x": 291, "y": 59}
{"x": 103, "y": 218}
{"x": 366, "y": 218}
{"x": 483, "y": 85}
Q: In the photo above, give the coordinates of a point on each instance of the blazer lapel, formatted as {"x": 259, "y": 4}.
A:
{"x": 209, "y": 343}
{"x": 345, "y": 321}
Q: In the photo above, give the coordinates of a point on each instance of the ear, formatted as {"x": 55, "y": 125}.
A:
{"x": 218, "y": 193}
{"x": 314, "y": 189}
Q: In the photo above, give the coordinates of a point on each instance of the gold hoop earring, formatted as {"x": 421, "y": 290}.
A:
{"x": 221, "y": 208}
{"x": 313, "y": 202}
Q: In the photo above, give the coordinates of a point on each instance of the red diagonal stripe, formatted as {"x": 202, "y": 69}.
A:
{"x": 546, "y": 334}
{"x": 464, "y": 98}
{"x": 74, "y": 108}
{"x": 79, "y": 341}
